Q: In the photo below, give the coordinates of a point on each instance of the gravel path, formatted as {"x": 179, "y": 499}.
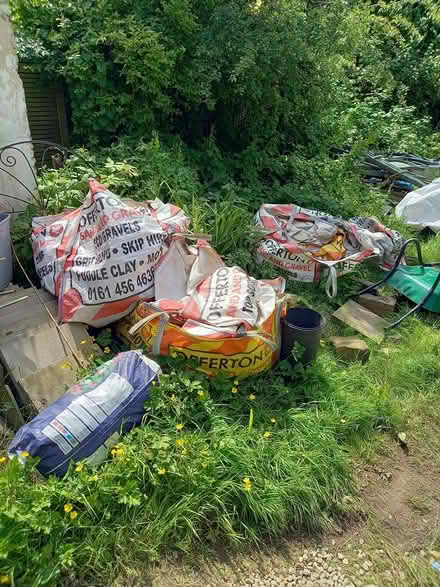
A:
{"x": 316, "y": 568}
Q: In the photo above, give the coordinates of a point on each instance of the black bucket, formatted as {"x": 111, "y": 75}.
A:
{"x": 304, "y": 326}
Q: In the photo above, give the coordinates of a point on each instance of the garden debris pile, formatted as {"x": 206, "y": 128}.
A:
{"x": 306, "y": 242}
{"x": 216, "y": 315}
{"x": 99, "y": 259}
{"x": 402, "y": 172}
{"x": 85, "y": 422}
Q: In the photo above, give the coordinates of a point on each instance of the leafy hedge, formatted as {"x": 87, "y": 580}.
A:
{"x": 232, "y": 69}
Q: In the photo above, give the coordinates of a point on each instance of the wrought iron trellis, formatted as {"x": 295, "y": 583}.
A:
{"x": 12, "y": 154}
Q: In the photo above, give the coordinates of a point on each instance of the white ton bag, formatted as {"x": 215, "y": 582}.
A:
{"x": 99, "y": 259}
{"x": 421, "y": 208}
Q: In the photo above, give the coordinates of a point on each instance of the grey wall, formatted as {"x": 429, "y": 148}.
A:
{"x": 14, "y": 124}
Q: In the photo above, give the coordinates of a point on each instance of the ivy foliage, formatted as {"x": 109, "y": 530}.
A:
{"x": 400, "y": 54}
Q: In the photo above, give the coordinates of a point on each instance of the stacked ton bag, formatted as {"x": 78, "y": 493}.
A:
{"x": 99, "y": 259}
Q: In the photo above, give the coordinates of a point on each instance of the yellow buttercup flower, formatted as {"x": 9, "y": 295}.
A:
{"x": 3, "y": 460}
{"x": 247, "y": 484}
{"x": 107, "y": 350}
{"x": 73, "y": 515}
{"x": 162, "y": 471}
{"x": 267, "y": 434}
{"x": 201, "y": 394}
{"x": 173, "y": 397}
{"x": 79, "y": 468}
{"x": 234, "y": 389}
{"x": 93, "y": 477}
{"x": 251, "y": 396}
{"x": 236, "y": 382}
{"x": 180, "y": 442}
{"x": 179, "y": 427}
{"x": 273, "y": 420}
{"x": 117, "y": 452}
{"x": 68, "y": 507}
{"x": 4, "y": 579}
{"x": 25, "y": 454}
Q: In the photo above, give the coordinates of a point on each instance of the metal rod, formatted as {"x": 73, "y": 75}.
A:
{"x": 13, "y": 302}
{"x": 396, "y": 264}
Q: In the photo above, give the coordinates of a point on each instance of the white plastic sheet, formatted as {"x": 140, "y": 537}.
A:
{"x": 421, "y": 208}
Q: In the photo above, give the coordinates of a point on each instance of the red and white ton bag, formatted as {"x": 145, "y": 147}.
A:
{"x": 309, "y": 243}
{"x": 220, "y": 317}
{"x": 99, "y": 259}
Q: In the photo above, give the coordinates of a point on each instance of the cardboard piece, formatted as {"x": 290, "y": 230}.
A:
{"x": 35, "y": 354}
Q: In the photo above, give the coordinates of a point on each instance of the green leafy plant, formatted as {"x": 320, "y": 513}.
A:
{"x": 199, "y": 69}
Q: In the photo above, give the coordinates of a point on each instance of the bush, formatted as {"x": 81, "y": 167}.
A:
{"x": 199, "y": 69}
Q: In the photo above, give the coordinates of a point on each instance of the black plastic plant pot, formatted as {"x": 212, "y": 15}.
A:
{"x": 303, "y": 326}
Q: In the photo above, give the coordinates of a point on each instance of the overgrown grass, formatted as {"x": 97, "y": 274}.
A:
{"x": 291, "y": 433}
{"x": 159, "y": 494}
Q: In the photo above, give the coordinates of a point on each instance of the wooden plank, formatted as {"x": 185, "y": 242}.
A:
{"x": 39, "y": 96}
{"x": 380, "y": 305}
{"x": 350, "y": 348}
{"x": 39, "y": 110}
{"x": 38, "y": 115}
{"x": 43, "y": 114}
{"x": 43, "y": 117}
{"x": 43, "y": 99}
{"x": 44, "y": 136}
{"x": 40, "y": 134}
{"x": 62, "y": 117}
{"x": 37, "y": 102}
{"x": 362, "y": 320}
{"x": 36, "y": 88}
{"x": 41, "y": 124}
